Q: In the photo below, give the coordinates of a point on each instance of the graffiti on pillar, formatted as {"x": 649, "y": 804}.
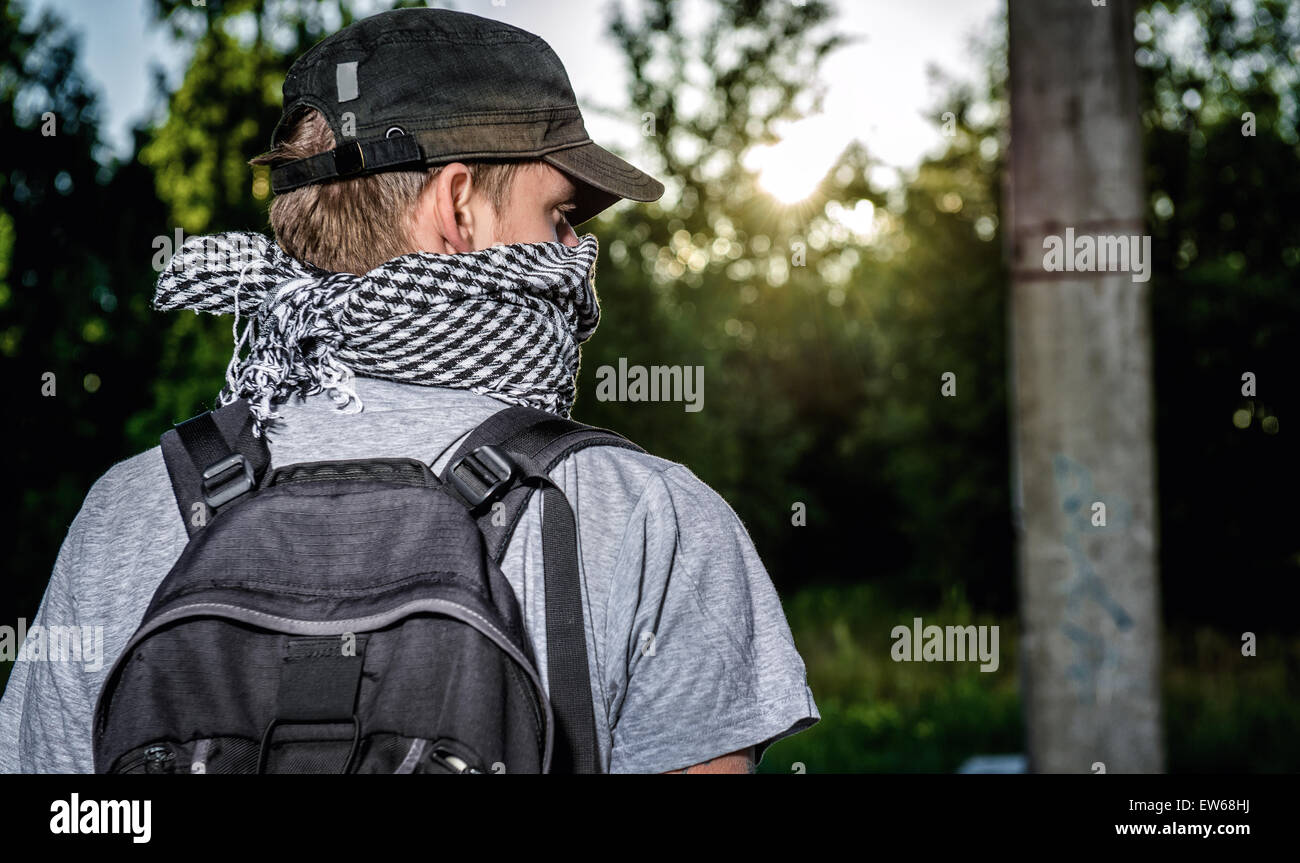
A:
{"x": 1095, "y": 657}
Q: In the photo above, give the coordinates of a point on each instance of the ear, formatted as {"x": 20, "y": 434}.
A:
{"x": 443, "y": 221}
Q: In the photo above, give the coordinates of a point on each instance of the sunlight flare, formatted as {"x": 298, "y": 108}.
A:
{"x": 791, "y": 169}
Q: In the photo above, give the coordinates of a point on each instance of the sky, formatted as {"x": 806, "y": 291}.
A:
{"x": 877, "y": 87}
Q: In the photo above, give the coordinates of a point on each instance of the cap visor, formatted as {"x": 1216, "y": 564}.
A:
{"x": 607, "y": 177}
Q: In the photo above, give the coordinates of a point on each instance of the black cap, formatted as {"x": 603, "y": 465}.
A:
{"x": 415, "y": 87}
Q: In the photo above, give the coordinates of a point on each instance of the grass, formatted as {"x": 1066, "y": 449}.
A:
{"x": 879, "y": 715}
{"x": 1228, "y": 713}
{"x": 1223, "y": 712}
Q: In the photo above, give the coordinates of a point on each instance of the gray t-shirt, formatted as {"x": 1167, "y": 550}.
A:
{"x": 690, "y": 653}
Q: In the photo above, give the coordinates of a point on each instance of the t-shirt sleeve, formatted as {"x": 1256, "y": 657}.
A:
{"x": 706, "y": 664}
{"x": 45, "y": 714}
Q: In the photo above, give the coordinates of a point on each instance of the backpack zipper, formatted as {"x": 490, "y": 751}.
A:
{"x": 158, "y": 758}
{"x": 292, "y": 626}
{"x": 459, "y": 757}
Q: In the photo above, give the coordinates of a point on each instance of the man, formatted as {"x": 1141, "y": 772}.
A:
{"x": 435, "y": 132}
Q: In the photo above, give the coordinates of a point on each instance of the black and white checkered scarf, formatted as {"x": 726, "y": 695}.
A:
{"x": 505, "y": 321}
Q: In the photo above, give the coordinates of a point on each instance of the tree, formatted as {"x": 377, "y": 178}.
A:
{"x": 76, "y": 334}
{"x": 219, "y": 117}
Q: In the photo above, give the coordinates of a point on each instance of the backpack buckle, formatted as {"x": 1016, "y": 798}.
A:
{"x": 483, "y": 474}
{"x": 226, "y": 479}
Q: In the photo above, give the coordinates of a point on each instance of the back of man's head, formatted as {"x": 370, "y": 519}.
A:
{"x": 374, "y": 113}
{"x": 354, "y": 225}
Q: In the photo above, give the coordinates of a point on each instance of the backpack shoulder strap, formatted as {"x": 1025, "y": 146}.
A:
{"x": 501, "y": 462}
{"x": 212, "y": 459}
{"x": 541, "y": 437}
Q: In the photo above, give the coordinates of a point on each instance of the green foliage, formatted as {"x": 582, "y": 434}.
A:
{"x": 74, "y": 261}
{"x": 219, "y": 118}
{"x": 1223, "y": 712}
{"x": 1226, "y": 249}
{"x": 1228, "y": 713}
{"x": 879, "y": 715}
{"x": 822, "y": 380}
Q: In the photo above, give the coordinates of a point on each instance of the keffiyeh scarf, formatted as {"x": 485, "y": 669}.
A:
{"x": 505, "y": 321}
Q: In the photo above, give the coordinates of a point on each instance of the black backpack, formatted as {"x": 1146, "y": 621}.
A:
{"x": 351, "y": 616}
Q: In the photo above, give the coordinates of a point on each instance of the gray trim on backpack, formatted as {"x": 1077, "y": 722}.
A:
{"x": 291, "y": 626}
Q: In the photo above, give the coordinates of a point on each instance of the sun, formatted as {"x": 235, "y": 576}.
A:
{"x": 791, "y": 169}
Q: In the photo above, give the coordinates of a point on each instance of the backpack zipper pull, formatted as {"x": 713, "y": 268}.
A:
{"x": 159, "y": 759}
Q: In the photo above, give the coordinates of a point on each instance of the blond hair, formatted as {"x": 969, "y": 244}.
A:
{"x": 354, "y": 225}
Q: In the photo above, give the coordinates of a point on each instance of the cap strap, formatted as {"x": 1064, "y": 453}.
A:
{"x": 351, "y": 159}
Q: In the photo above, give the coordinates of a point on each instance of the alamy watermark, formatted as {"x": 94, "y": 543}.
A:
{"x": 1102, "y": 253}
{"x": 213, "y": 251}
{"x": 945, "y": 644}
{"x": 130, "y": 817}
{"x": 53, "y": 644}
{"x": 653, "y": 384}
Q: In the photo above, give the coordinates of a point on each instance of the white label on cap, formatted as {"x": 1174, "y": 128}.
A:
{"x": 345, "y": 75}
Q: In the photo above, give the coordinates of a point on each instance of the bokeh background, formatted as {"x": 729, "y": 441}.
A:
{"x": 821, "y": 379}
